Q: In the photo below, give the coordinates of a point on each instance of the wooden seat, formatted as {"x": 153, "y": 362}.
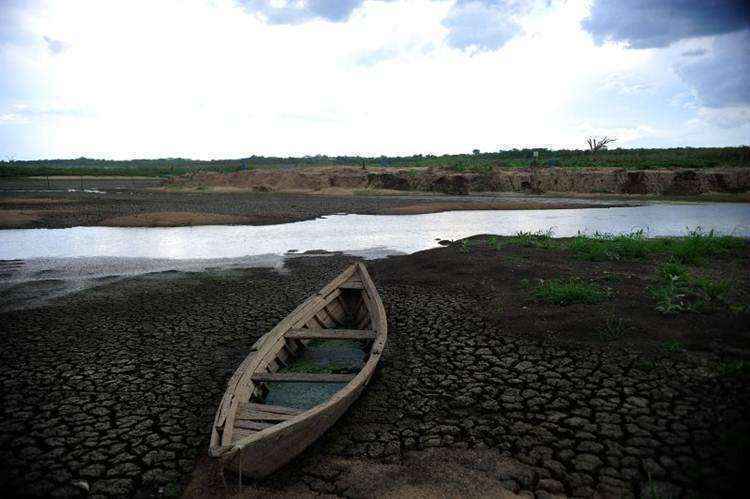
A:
{"x": 352, "y": 285}
{"x": 302, "y": 378}
{"x": 330, "y": 334}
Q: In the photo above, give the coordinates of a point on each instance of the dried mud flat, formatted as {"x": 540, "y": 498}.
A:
{"x": 154, "y": 208}
{"x": 482, "y": 390}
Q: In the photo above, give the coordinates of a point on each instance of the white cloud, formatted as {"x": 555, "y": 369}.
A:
{"x": 213, "y": 80}
{"x": 726, "y": 117}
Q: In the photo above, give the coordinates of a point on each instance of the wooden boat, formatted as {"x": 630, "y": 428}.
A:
{"x": 256, "y": 438}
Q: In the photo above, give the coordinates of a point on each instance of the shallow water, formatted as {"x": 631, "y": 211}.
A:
{"x": 70, "y": 260}
{"x": 370, "y": 236}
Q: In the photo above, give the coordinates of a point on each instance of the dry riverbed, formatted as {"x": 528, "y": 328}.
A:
{"x": 486, "y": 386}
{"x": 156, "y": 208}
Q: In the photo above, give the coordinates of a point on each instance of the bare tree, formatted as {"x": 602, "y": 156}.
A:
{"x": 597, "y": 144}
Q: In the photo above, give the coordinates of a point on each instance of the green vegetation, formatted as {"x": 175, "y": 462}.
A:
{"x": 699, "y": 245}
{"x": 171, "y": 490}
{"x": 673, "y": 346}
{"x": 679, "y": 291}
{"x": 613, "y": 328}
{"x": 646, "y": 365}
{"x": 600, "y": 247}
{"x": 569, "y": 291}
{"x": 538, "y": 239}
{"x": 734, "y": 368}
{"x": 475, "y": 162}
{"x": 692, "y": 249}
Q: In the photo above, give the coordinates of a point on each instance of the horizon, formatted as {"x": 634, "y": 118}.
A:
{"x": 213, "y": 80}
{"x": 345, "y": 156}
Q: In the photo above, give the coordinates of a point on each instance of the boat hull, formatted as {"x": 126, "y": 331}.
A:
{"x": 245, "y": 441}
{"x": 259, "y": 458}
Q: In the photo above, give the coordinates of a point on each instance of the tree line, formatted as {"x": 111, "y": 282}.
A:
{"x": 686, "y": 157}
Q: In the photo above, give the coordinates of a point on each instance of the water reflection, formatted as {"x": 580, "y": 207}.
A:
{"x": 363, "y": 234}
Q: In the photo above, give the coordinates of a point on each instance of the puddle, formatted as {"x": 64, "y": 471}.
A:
{"x": 331, "y": 356}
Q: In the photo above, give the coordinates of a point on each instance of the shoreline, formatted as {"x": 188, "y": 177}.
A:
{"x": 163, "y": 208}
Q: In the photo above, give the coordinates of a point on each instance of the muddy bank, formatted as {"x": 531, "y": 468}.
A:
{"x": 116, "y": 386}
{"x": 152, "y": 208}
{"x": 531, "y": 180}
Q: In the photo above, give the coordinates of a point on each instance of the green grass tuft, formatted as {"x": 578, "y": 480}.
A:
{"x": 679, "y": 291}
{"x": 613, "y": 328}
{"x": 569, "y": 291}
{"x": 673, "y": 346}
{"x": 538, "y": 239}
{"x": 734, "y": 368}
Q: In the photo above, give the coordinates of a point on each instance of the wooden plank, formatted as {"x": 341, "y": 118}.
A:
{"x": 240, "y": 433}
{"x": 278, "y": 409}
{"x": 263, "y": 416}
{"x": 251, "y": 425}
{"x": 302, "y": 377}
{"x": 331, "y": 334}
{"x": 352, "y": 285}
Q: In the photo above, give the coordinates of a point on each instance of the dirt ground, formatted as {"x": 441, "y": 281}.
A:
{"x": 159, "y": 208}
{"x": 483, "y": 389}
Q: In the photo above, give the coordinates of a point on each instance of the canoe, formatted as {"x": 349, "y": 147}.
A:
{"x": 256, "y": 437}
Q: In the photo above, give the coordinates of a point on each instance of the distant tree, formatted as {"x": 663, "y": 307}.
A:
{"x": 597, "y": 144}
{"x": 475, "y": 152}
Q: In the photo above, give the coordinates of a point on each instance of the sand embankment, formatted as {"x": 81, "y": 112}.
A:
{"x": 678, "y": 181}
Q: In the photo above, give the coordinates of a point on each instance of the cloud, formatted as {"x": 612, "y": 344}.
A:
{"x": 694, "y": 52}
{"x": 26, "y": 113}
{"x": 721, "y": 78}
{"x": 55, "y": 46}
{"x": 485, "y": 24}
{"x": 651, "y": 24}
{"x": 727, "y": 117}
{"x": 373, "y": 57}
{"x": 296, "y": 12}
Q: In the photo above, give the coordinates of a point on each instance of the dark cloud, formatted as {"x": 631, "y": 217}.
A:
{"x": 722, "y": 77}
{"x": 658, "y": 23}
{"x": 485, "y": 24}
{"x": 297, "y": 13}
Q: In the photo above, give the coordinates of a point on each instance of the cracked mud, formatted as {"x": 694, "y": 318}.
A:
{"x": 481, "y": 390}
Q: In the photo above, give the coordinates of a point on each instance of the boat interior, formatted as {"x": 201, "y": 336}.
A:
{"x": 313, "y": 361}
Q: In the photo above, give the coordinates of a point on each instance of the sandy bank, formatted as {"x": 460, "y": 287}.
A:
{"x": 678, "y": 181}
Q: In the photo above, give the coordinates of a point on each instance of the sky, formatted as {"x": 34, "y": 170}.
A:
{"x": 210, "y": 79}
